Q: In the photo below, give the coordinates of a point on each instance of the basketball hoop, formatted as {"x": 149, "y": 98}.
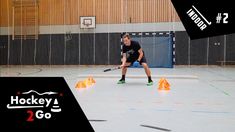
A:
{"x": 87, "y": 22}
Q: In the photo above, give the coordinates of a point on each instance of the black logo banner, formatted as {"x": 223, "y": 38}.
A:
{"x": 40, "y": 103}
{"x": 206, "y": 18}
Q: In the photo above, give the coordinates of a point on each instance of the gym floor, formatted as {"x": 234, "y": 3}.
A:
{"x": 200, "y": 99}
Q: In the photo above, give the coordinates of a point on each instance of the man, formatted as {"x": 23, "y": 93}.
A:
{"x": 133, "y": 55}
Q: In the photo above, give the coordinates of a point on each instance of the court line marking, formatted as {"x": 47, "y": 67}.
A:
{"x": 226, "y": 80}
{"x": 138, "y": 76}
{"x": 38, "y": 70}
{"x": 222, "y": 91}
{"x": 158, "y": 128}
{"x": 211, "y": 112}
{"x": 95, "y": 120}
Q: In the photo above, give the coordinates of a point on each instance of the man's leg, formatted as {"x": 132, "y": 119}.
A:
{"x": 124, "y": 70}
{"x": 146, "y": 68}
{"x": 148, "y": 73}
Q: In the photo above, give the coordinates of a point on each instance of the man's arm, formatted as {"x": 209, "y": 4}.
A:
{"x": 123, "y": 60}
{"x": 141, "y": 54}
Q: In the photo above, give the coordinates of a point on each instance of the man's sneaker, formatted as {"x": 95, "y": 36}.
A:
{"x": 121, "y": 81}
{"x": 150, "y": 83}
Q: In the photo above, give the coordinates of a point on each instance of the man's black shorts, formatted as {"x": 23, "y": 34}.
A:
{"x": 132, "y": 60}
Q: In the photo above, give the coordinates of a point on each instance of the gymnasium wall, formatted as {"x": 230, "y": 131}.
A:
{"x": 206, "y": 51}
{"x": 62, "y": 42}
{"x": 104, "y": 48}
{"x": 60, "y": 49}
{"x": 67, "y": 12}
{"x": 112, "y": 16}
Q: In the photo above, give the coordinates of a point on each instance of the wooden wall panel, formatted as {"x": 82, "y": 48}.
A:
{"x": 44, "y": 12}
{"x": 101, "y": 11}
{"x": 52, "y": 12}
{"x": 57, "y": 11}
{"x": 60, "y": 12}
{"x": 73, "y": 16}
{"x": 114, "y": 11}
{"x": 5, "y": 11}
{"x": 134, "y": 11}
{"x": 86, "y": 7}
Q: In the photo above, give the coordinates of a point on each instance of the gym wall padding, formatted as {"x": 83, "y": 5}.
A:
{"x": 15, "y": 52}
{"x": 28, "y": 48}
{"x": 43, "y": 50}
{"x": 59, "y": 49}
{"x": 182, "y": 48}
{"x": 87, "y": 49}
{"x": 55, "y": 49}
{"x": 3, "y": 49}
{"x": 101, "y": 48}
{"x": 114, "y": 49}
{"x": 216, "y": 50}
{"x": 198, "y": 52}
{"x": 206, "y": 51}
{"x": 230, "y": 47}
{"x": 72, "y": 49}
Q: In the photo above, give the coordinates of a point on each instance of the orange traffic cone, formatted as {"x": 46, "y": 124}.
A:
{"x": 91, "y": 79}
{"x": 163, "y": 84}
{"x": 81, "y": 84}
{"x": 88, "y": 83}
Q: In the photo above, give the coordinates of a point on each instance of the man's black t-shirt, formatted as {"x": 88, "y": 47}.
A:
{"x": 132, "y": 50}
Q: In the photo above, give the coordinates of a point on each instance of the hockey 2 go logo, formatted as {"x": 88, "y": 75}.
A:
{"x": 41, "y": 102}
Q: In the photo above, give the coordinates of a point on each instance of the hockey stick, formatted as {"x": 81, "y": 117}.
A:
{"x": 112, "y": 69}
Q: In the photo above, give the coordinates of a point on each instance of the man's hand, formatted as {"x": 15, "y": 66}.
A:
{"x": 121, "y": 66}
